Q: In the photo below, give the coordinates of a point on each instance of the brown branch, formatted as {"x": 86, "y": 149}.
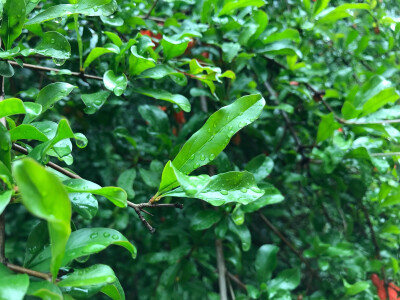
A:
{"x": 2, "y": 238}
{"x": 30, "y": 272}
{"x": 151, "y": 9}
{"x": 236, "y": 280}
{"x": 289, "y": 244}
{"x": 221, "y": 270}
{"x": 46, "y": 69}
{"x": 22, "y": 150}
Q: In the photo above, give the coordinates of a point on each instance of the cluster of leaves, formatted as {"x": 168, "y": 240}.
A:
{"x": 170, "y": 95}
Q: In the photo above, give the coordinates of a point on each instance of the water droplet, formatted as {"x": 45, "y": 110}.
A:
{"x": 95, "y": 9}
{"x": 115, "y": 237}
{"x": 224, "y": 192}
{"x": 202, "y": 157}
{"x": 256, "y": 189}
{"x": 243, "y": 190}
{"x": 106, "y": 234}
{"x": 94, "y": 235}
{"x": 196, "y": 165}
{"x": 58, "y": 61}
{"x": 215, "y": 125}
{"x": 242, "y": 124}
{"x": 192, "y": 156}
{"x": 209, "y": 130}
{"x": 110, "y": 279}
{"x": 52, "y": 41}
{"x": 212, "y": 156}
{"x": 230, "y": 127}
{"x": 97, "y": 102}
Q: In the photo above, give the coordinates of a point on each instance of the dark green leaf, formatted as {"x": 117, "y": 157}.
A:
{"x": 266, "y": 262}
{"x": 177, "y": 99}
{"x": 204, "y": 219}
{"x": 13, "y": 20}
{"x": 114, "y": 83}
{"x": 94, "y": 101}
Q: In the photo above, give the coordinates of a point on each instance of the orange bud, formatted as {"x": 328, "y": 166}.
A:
{"x": 180, "y": 117}
{"x": 294, "y": 83}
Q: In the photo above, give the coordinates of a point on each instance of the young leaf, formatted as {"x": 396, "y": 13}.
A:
{"x": 115, "y": 194}
{"x": 99, "y": 51}
{"x": 45, "y": 197}
{"x": 138, "y": 63}
{"x": 83, "y": 242}
{"x": 114, "y": 83}
{"x": 173, "y": 48}
{"x": 13, "y": 286}
{"x": 114, "y": 290}
{"x": 231, "y": 6}
{"x": 84, "y": 7}
{"x": 212, "y": 138}
{"x": 5, "y": 198}
{"x": 177, "y": 99}
{"x": 44, "y": 290}
{"x": 217, "y": 190}
{"x": 13, "y": 21}
{"x": 93, "y": 275}
{"x": 265, "y": 262}
{"x": 11, "y": 106}
{"x": 27, "y": 132}
{"x": 94, "y": 101}
{"x": 160, "y": 71}
{"x": 53, "y": 92}
{"x": 5, "y": 147}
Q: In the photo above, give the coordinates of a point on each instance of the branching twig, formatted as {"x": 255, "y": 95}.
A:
{"x": 30, "y": 272}
{"x": 46, "y": 69}
{"x": 137, "y": 207}
{"x": 236, "y": 280}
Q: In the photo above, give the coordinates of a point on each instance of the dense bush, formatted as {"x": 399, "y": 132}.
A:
{"x": 219, "y": 193}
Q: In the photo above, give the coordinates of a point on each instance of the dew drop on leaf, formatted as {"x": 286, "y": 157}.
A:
{"x": 202, "y": 157}
{"x": 212, "y": 156}
{"x": 106, "y": 234}
{"x": 224, "y": 192}
{"x": 115, "y": 237}
{"x": 192, "y": 157}
{"x": 196, "y": 165}
{"x": 243, "y": 190}
{"x": 59, "y": 62}
{"x": 94, "y": 235}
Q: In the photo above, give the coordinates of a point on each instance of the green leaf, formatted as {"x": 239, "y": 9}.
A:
{"x": 81, "y": 243}
{"x": 93, "y": 275}
{"x": 260, "y": 166}
{"x": 5, "y": 198}
{"x": 38, "y": 239}
{"x": 204, "y": 219}
{"x": 114, "y": 83}
{"x": 212, "y": 138}
{"x": 84, "y": 7}
{"x": 327, "y": 127}
{"x": 354, "y": 289}
{"x": 319, "y": 6}
{"x": 116, "y": 195}
{"x": 45, "y": 197}
{"x": 27, "y": 132}
{"x": 11, "y": 106}
{"x": 287, "y": 34}
{"x": 230, "y": 51}
{"x": 286, "y": 280}
{"x": 33, "y": 110}
{"x": 157, "y": 119}
{"x": 13, "y": 20}
{"x": 5, "y": 173}
{"x": 114, "y": 291}
{"x": 340, "y": 12}
{"x": 44, "y": 290}
{"x": 283, "y": 47}
{"x": 115, "y": 39}
{"x": 125, "y": 181}
{"x": 179, "y": 100}
{"x": 271, "y": 196}
{"x": 13, "y": 286}
{"x": 138, "y": 63}
{"x": 6, "y": 70}
{"x": 265, "y": 262}
{"x": 99, "y": 51}
{"x": 53, "y": 92}
{"x": 160, "y": 71}
{"x": 243, "y": 233}
{"x": 53, "y": 44}
{"x": 94, "y": 101}
{"x": 231, "y": 6}
{"x": 217, "y": 190}
{"x": 5, "y": 146}
{"x": 84, "y": 204}
{"x": 173, "y": 48}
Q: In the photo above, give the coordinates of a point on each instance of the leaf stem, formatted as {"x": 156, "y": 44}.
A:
{"x": 150, "y": 10}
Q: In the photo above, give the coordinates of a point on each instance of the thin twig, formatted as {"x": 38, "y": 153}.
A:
{"x": 236, "y": 280}
{"x": 289, "y": 244}
{"x": 30, "y": 272}
{"x": 22, "y": 150}
{"x": 46, "y": 69}
{"x": 221, "y": 270}
{"x": 151, "y": 9}
{"x": 2, "y": 238}
{"x": 144, "y": 221}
